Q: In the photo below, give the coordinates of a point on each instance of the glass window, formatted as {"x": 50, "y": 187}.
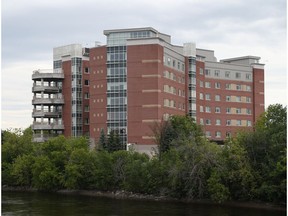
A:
{"x": 238, "y": 123}
{"x": 201, "y": 83}
{"x": 228, "y": 86}
{"x": 207, "y": 85}
{"x": 201, "y": 96}
{"x": 201, "y": 71}
{"x": 201, "y": 121}
{"x": 217, "y": 97}
{"x": 207, "y": 109}
{"x": 228, "y": 122}
{"x": 217, "y": 109}
{"x": 218, "y": 134}
{"x": 207, "y": 72}
{"x": 238, "y": 99}
{"x": 86, "y": 82}
{"x": 228, "y": 134}
{"x": 218, "y": 122}
{"x": 238, "y": 87}
{"x": 238, "y": 75}
{"x": 238, "y": 111}
{"x": 217, "y": 73}
{"x": 248, "y": 88}
{"x": 227, "y": 74}
{"x": 217, "y": 85}
{"x": 208, "y": 122}
{"x": 228, "y": 110}
{"x": 208, "y": 134}
{"x": 201, "y": 109}
{"x": 248, "y": 76}
{"x": 207, "y": 97}
{"x": 248, "y": 99}
{"x": 228, "y": 98}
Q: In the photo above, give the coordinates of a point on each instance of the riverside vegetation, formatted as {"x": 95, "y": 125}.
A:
{"x": 251, "y": 166}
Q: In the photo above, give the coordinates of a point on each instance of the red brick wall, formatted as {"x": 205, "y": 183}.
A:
{"x": 258, "y": 90}
{"x": 98, "y": 89}
{"x": 67, "y": 92}
{"x": 85, "y": 102}
{"x": 145, "y": 73}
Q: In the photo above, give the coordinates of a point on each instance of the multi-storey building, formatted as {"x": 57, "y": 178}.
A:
{"x": 139, "y": 78}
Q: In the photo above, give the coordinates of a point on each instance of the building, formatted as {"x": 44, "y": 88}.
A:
{"x": 139, "y": 78}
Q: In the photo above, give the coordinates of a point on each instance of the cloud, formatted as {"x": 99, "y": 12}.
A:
{"x": 30, "y": 30}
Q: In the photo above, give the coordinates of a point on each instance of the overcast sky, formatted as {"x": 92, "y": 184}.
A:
{"x": 31, "y": 28}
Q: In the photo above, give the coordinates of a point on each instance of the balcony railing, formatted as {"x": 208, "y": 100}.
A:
{"x": 48, "y": 74}
{"x": 39, "y": 100}
{"x": 41, "y": 88}
{"x": 47, "y": 126}
{"x": 45, "y": 113}
{"x": 43, "y": 137}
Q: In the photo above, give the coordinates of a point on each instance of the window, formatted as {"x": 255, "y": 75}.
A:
{"x": 238, "y": 75}
{"x": 227, "y": 74}
{"x": 86, "y": 82}
{"x": 86, "y": 95}
{"x": 228, "y": 98}
{"x": 217, "y": 85}
{"x": 201, "y": 121}
{"x": 207, "y": 85}
{"x": 86, "y": 109}
{"x": 248, "y": 76}
{"x": 249, "y": 124}
{"x": 201, "y": 96}
{"x": 238, "y": 123}
{"x": 201, "y": 109}
{"x": 238, "y": 87}
{"x": 228, "y": 122}
{"x": 207, "y": 109}
{"x": 201, "y": 71}
{"x": 228, "y": 134}
{"x": 228, "y": 110}
{"x": 208, "y": 122}
{"x": 208, "y": 134}
{"x": 238, "y": 99}
{"x": 228, "y": 86}
{"x": 201, "y": 83}
{"x": 217, "y": 109}
{"x": 248, "y": 111}
{"x": 207, "y": 72}
{"x": 248, "y": 99}
{"x": 86, "y": 121}
{"x": 248, "y": 88}
{"x": 217, "y": 97}
{"x": 86, "y": 70}
{"x": 218, "y": 134}
{"x": 166, "y": 103}
{"x": 238, "y": 111}
{"x": 218, "y": 122}
{"x": 217, "y": 73}
{"x": 207, "y": 97}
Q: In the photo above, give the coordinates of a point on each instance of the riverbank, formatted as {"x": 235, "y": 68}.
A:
{"x": 135, "y": 196}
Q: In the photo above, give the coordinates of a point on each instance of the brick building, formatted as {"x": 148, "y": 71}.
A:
{"x": 140, "y": 78}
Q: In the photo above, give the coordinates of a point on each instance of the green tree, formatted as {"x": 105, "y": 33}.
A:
{"x": 102, "y": 143}
{"x": 114, "y": 143}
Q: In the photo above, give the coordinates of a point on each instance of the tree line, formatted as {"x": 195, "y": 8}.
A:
{"x": 250, "y": 166}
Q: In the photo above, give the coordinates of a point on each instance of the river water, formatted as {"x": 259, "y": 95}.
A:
{"x": 42, "y": 204}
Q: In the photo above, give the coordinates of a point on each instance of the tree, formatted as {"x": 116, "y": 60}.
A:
{"x": 102, "y": 143}
{"x": 266, "y": 148}
{"x": 114, "y": 143}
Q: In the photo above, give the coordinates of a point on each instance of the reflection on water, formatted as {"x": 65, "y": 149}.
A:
{"x": 32, "y": 203}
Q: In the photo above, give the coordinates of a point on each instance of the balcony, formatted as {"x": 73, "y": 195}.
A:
{"x": 45, "y": 113}
{"x": 47, "y": 126}
{"x": 51, "y": 101}
{"x": 48, "y": 75}
{"x": 43, "y": 137}
{"x": 46, "y": 89}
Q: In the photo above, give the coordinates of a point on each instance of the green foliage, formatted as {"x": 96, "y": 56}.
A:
{"x": 102, "y": 143}
{"x": 248, "y": 167}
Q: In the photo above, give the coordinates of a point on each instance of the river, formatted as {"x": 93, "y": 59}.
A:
{"x": 41, "y": 204}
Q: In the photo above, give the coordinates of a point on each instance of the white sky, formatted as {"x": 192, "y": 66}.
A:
{"x": 31, "y": 28}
